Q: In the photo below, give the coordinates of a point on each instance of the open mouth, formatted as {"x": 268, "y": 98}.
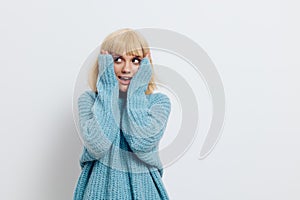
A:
{"x": 125, "y": 80}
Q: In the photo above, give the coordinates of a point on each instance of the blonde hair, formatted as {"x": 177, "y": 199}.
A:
{"x": 118, "y": 42}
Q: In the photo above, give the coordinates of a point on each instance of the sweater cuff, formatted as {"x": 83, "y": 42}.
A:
{"x": 141, "y": 79}
{"x": 106, "y": 79}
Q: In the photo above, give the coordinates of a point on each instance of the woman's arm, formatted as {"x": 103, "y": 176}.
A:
{"x": 145, "y": 117}
{"x": 145, "y": 120}
{"x": 99, "y": 116}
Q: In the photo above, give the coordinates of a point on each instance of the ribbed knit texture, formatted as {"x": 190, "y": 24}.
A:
{"x": 121, "y": 132}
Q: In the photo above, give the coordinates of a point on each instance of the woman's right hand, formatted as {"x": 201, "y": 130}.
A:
{"x": 106, "y": 76}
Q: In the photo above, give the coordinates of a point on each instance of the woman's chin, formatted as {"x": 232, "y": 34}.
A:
{"x": 123, "y": 88}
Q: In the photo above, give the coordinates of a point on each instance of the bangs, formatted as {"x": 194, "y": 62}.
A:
{"x": 127, "y": 42}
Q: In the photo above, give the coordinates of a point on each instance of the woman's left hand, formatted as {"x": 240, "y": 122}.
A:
{"x": 148, "y": 55}
{"x": 142, "y": 77}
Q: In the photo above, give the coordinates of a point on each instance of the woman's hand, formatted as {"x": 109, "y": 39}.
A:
{"x": 104, "y": 52}
{"x": 148, "y": 55}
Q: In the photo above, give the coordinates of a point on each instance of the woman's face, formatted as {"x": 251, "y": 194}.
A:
{"x": 125, "y": 67}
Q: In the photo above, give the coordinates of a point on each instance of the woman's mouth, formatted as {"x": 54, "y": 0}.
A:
{"x": 124, "y": 80}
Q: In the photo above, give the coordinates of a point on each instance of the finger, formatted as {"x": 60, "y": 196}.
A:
{"x": 148, "y": 55}
{"x": 104, "y": 52}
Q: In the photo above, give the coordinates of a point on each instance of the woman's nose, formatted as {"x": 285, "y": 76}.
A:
{"x": 126, "y": 67}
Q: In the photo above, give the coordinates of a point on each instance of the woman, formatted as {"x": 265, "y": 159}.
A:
{"x": 121, "y": 124}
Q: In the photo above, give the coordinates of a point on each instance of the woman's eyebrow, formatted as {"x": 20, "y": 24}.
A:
{"x": 133, "y": 56}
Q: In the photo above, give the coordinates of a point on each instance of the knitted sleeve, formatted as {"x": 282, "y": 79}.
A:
{"x": 99, "y": 116}
{"x": 145, "y": 120}
{"x": 145, "y": 117}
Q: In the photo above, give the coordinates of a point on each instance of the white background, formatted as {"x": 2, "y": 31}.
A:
{"x": 254, "y": 45}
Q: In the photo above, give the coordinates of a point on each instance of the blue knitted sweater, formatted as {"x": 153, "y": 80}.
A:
{"x": 121, "y": 133}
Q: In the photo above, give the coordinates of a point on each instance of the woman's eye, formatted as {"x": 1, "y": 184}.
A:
{"x": 118, "y": 60}
{"x": 136, "y": 60}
